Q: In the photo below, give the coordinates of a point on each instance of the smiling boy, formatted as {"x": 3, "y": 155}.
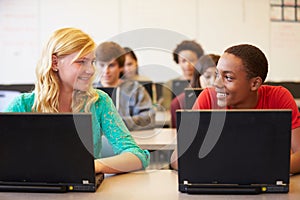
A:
{"x": 241, "y": 71}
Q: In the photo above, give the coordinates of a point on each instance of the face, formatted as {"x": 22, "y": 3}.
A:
{"x": 187, "y": 59}
{"x": 130, "y": 67}
{"x": 233, "y": 87}
{"x": 109, "y": 73}
{"x": 208, "y": 77}
{"x": 75, "y": 74}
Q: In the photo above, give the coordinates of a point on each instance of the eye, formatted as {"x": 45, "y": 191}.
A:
{"x": 217, "y": 74}
{"x": 80, "y": 62}
{"x": 228, "y": 78}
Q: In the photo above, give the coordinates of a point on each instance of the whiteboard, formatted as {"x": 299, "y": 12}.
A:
{"x": 25, "y": 25}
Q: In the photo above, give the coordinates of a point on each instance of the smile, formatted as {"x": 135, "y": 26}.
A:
{"x": 221, "y": 95}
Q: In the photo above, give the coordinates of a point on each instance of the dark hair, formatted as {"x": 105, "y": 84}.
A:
{"x": 129, "y": 51}
{"x": 108, "y": 51}
{"x": 215, "y": 57}
{"x": 188, "y": 45}
{"x": 203, "y": 63}
{"x": 253, "y": 59}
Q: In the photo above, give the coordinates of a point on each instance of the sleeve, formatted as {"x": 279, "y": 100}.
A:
{"x": 287, "y": 102}
{"x": 141, "y": 113}
{"x": 117, "y": 134}
{"x": 21, "y": 103}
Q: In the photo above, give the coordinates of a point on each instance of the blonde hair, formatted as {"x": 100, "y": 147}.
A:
{"x": 63, "y": 42}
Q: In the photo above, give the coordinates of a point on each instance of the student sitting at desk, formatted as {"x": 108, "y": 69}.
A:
{"x": 65, "y": 75}
{"x": 132, "y": 100}
{"x": 131, "y": 67}
{"x": 241, "y": 71}
{"x": 186, "y": 55}
{"x": 205, "y": 65}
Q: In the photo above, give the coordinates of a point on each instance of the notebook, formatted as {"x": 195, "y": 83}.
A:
{"x": 148, "y": 85}
{"x": 47, "y": 153}
{"x": 233, "y": 151}
{"x": 191, "y": 95}
{"x": 111, "y": 91}
{"x": 178, "y": 87}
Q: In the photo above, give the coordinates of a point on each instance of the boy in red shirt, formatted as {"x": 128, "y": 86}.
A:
{"x": 241, "y": 71}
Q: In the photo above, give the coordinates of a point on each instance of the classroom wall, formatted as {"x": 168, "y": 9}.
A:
{"x": 152, "y": 28}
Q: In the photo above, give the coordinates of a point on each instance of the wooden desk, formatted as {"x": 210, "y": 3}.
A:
{"x": 149, "y": 185}
{"x": 162, "y": 119}
{"x": 156, "y": 139}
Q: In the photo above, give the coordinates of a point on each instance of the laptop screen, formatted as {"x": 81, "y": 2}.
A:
{"x": 191, "y": 95}
{"x": 237, "y": 147}
{"x": 49, "y": 149}
{"x": 111, "y": 91}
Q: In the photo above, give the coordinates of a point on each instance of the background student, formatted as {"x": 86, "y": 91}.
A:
{"x": 186, "y": 55}
{"x": 208, "y": 77}
{"x": 241, "y": 71}
{"x": 133, "y": 102}
{"x": 65, "y": 74}
{"x": 131, "y": 67}
{"x": 204, "y": 67}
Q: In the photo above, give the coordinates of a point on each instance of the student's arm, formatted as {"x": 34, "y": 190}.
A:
{"x": 142, "y": 114}
{"x": 173, "y": 161}
{"x": 124, "y": 162}
{"x": 295, "y": 154}
{"x": 129, "y": 156}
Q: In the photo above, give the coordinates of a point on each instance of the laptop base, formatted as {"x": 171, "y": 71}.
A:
{"x": 32, "y": 188}
{"x": 231, "y": 189}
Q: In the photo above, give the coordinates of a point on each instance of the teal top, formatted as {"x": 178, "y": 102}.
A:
{"x": 105, "y": 120}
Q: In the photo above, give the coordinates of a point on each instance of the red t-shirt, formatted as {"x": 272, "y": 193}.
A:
{"x": 269, "y": 97}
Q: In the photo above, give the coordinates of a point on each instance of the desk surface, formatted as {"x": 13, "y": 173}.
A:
{"x": 162, "y": 118}
{"x": 156, "y": 184}
{"x": 156, "y": 139}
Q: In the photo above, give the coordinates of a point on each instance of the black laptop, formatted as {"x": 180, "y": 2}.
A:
{"x": 111, "y": 91}
{"x": 178, "y": 87}
{"x": 148, "y": 85}
{"x": 47, "y": 153}
{"x": 233, "y": 151}
{"x": 191, "y": 95}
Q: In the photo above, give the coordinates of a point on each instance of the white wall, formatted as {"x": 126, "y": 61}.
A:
{"x": 153, "y": 28}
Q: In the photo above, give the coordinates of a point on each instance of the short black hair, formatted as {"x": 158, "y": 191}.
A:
{"x": 253, "y": 59}
{"x": 188, "y": 45}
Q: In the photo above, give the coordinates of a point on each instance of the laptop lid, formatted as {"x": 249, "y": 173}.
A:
{"x": 178, "y": 87}
{"x": 111, "y": 91}
{"x": 233, "y": 151}
{"x": 28, "y": 87}
{"x": 148, "y": 85}
{"x": 191, "y": 95}
{"x": 46, "y": 152}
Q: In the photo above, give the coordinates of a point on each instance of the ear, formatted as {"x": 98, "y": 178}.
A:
{"x": 256, "y": 82}
{"x": 54, "y": 63}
